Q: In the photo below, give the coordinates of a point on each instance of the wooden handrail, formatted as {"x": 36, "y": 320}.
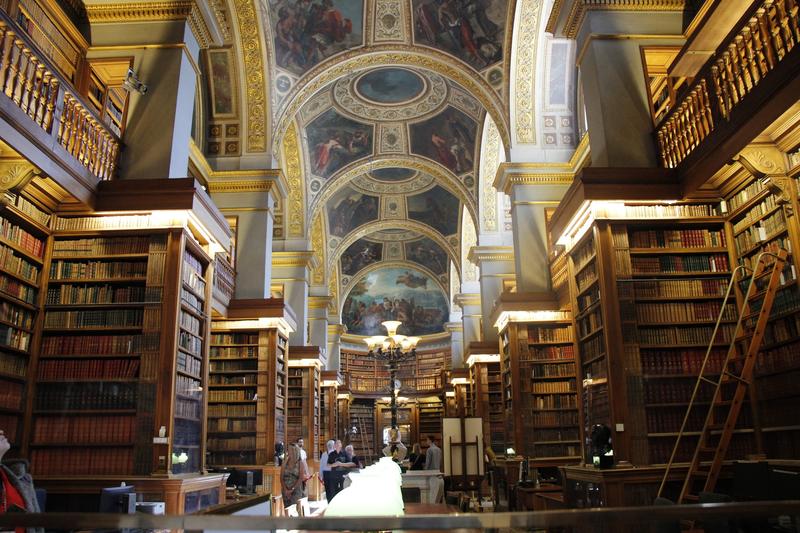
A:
{"x": 37, "y": 88}
{"x": 759, "y": 43}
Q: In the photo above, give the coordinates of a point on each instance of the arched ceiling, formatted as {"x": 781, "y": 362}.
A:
{"x": 387, "y": 99}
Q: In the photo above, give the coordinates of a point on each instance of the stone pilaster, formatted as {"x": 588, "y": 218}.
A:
{"x": 318, "y": 325}
{"x": 292, "y": 270}
{"x": 497, "y": 266}
{"x": 335, "y": 332}
{"x": 456, "y": 330}
{"x": 470, "y": 304}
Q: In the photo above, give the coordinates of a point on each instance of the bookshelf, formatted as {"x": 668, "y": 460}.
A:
{"x": 430, "y": 411}
{"x": 344, "y": 427}
{"x": 247, "y": 384}
{"x": 329, "y": 412}
{"x": 24, "y": 238}
{"x": 486, "y": 392}
{"x": 303, "y": 398}
{"x": 362, "y": 417}
{"x": 539, "y": 378}
{"x": 422, "y": 374}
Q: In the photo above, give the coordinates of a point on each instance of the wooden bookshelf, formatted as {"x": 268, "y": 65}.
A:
{"x": 486, "y": 392}
{"x": 303, "y": 398}
{"x": 24, "y": 239}
{"x": 329, "y": 412}
{"x": 430, "y": 411}
{"x": 362, "y": 417}
{"x": 539, "y": 378}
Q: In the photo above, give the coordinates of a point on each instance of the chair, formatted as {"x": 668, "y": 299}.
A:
{"x": 291, "y": 510}
{"x": 277, "y": 506}
{"x": 304, "y": 506}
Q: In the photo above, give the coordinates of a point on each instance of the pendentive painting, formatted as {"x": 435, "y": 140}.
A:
{"x": 471, "y": 30}
{"x": 395, "y": 293}
{"x": 349, "y": 209}
{"x": 359, "y": 255}
{"x": 448, "y": 138}
{"x": 437, "y": 208}
{"x": 222, "y": 84}
{"x": 334, "y": 141}
{"x": 307, "y": 32}
{"x": 428, "y": 254}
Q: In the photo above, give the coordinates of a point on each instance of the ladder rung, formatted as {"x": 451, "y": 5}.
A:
{"x": 692, "y": 497}
{"x": 701, "y": 473}
{"x": 707, "y": 449}
{"x": 735, "y": 377}
{"x": 715, "y": 427}
{"x": 711, "y": 381}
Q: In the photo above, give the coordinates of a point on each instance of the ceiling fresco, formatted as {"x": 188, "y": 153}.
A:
{"x": 334, "y": 141}
{"x": 437, "y": 208}
{"x": 348, "y": 209}
{"x": 360, "y": 255}
{"x": 427, "y": 253}
{"x": 396, "y": 292}
{"x": 471, "y": 30}
{"x": 448, "y": 138}
{"x": 389, "y": 86}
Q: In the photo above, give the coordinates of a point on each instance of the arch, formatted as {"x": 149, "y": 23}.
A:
{"x": 444, "y": 177}
{"x": 357, "y": 59}
{"x": 372, "y": 227}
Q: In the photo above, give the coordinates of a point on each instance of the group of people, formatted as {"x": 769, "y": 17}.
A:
{"x": 430, "y": 460}
{"x": 335, "y": 463}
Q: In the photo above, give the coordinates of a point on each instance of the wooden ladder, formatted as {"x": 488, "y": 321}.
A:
{"x": 715, "y": 437}
{"x": 364, "y": 440}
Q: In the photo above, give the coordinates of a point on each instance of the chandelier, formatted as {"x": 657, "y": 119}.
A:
{"x": 392, "y": 350}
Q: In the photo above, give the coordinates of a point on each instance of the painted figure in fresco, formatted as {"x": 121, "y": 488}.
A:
{"x": 324, "y": 153}
{"x": 427, "y": 22}
{"x": 443, "y": 151}
{"x": 410, "y": 280}
{"x": 337, "y": 148}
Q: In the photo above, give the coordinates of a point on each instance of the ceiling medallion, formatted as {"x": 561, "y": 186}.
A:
{"x": 391, "y": 94}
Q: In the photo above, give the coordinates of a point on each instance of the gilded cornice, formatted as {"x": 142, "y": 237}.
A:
{"x": 480, "y": 254}
{"x": 205, "y": 25}
{"x": 454, "y": 327}
{"x": 555, "y": 12}
{"x": 318, "y": 245}
{"x": 465, "y": 299}
{"x": 345, "y": 63}
{"x": 510, "y": 174}
{"x": 580, "y": 8}
{"x": 305, "y": 259}
{"x": 231, "y": 181}
{"x": 335, "y": 329}
{"x": 291, "y": 162}
{"x": 250, "y": 46}
{"x": 319, "y": 302}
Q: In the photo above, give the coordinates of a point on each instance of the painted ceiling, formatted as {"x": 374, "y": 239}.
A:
{"x": 383, "y": 102}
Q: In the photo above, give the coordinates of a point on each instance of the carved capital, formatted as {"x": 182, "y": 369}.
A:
{"x": 762, "y": 160}
{"x": 15, "y": 174}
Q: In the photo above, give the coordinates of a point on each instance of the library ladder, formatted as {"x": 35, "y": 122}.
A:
{"x": 706, "y": 462}
{"x": 363, "y": 437}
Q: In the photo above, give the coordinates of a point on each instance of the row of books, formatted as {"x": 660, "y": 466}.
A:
{"x": 190, "y": 323}
{"x": 550, "y": 387}
{"x": 551, "y": 370}
{"x": 550, "y": 352}
{"x": 9, "y": 423}
{"x": 89, "y": 270}
{"x": 664, "y": 313}
{"x": 82, "y": 369}
{"x": 102, "y": 294}
{"x": 743, "y": 196}
{"x": 615, "y": 210}
{"x": 555, "y": 418}
{"x": 229, "y": 379}
{"x": 86, "y": 396}
{"x": 27, "y": 207}
{"x": 233, "y": 458}
{"x": 549, "y": 334}
{"x": 14, "y": 338}
{"x": 535, "y": 449}
{"x": 108, "y": 222}
{"x": 11, "y": 395}
{"x": 94, "y": 318}
{"x": 234, "y": 338}
{"x": 14, "y": 234}
{"x": 754, "y": 213}
{"x": 786, "y": 357}
{"x": 18, "y": 316}
{"x": 15, "y": 288}
{"x": 188, "y": 409}
{"x": 190, "y": 343}
{"x": 98, "y": 429}
{"x": 13, "y": 364}
{"x": 232, "y": 444}
{"x": 588, "y": 299}
{"x": 592, "y": 348}
{"x": 232, "y": 395}
{"x": 10, "y": 262}
{"x": 586, "y": 277}
{"x": 194, "y": 281}
{"x": 190, "y": 299}
{"x": 227, "y": 411}
{"x": 188, "y": 386}
{"x": 555, "y": 401}
{"x": 766, "y": 230}
{"x": 661, "y": 449}
{"x": 679, "y": 288}
{"x": 190, "y": 365}
{"x": 545, "y": 435}
{"x": 234, "y": 366}
{"x": 677, "y": 390}
{"x": 684, "y": 238}
{"x": 589, "y": 323}
{"x": 779, "y": 386}
{"x": 660, "y": 362}
{"x": 680, "y": 263}
{"x": 99, "y": 344}
{"x": 231, "y": 424}
{"x": 102, "y": 246}
{"x": 81, "y": 461}
{"x": 671, "y": 336}
{"x": 582, "y": 255}
{"x": 227, "y": 352}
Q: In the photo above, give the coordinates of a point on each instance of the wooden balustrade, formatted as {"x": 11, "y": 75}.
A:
{"x": 224, "y": 279}
{"x": 38, "y": 90}
{"x": 765, "y": 37}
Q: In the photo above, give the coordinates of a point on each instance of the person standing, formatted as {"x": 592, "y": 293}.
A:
{"x": 325, "y": 469}
{"x": 292, "y": 474}
{"x": 336, "y": 460}
{"x": 433, "y": 457}
{"x": 16, "y": 486}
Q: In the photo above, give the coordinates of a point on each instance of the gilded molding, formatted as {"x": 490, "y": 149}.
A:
{"x": 318, "y": 246}
{"x": 293, "y": 171}
{"x": 241, "y": 186}
{"x": 333, "y": 291}
{"x": 228, "y": 181}
{"x": 304, "y": 258}
{"x": 527, "y": 40}
{"x": 490, "y": 159}
{"x": 389, "y": 24}
{"x": 319, "y": 302}
{"x": 580, "y": 8}
{"x": 469, "y": 239}
{"x": 166, "y": 10}
{"x": 479, "y": 254}
{"x": 510, "y": 174}
{"x": 465, "y": 299}
{"x": 345, "y": 63}
{"x": 250, "y": 46}
{"x": 555, "y": 12}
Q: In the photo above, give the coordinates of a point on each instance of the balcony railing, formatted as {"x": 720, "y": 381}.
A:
{"x": 27, "y": 79}
{"x": 224, "y": 279}
{"x": 747, "y": 57}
